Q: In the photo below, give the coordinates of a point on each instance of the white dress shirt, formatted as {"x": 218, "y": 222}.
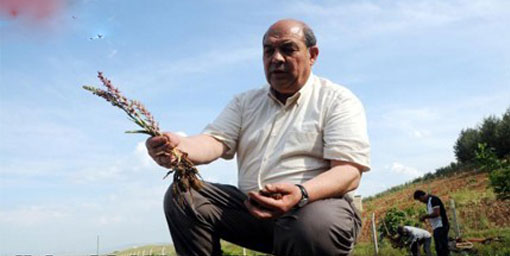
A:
{"x": 292, "y": 142}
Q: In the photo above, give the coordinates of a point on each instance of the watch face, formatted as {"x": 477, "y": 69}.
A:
{"x": 303, "y": 202}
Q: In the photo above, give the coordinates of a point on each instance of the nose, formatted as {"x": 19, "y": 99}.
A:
{"x": 277, "y": 57}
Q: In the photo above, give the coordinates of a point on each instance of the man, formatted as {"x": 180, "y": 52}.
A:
{"x": 416, "y": 237}
{"x": 436, "y": 214}
{"x": 301, "y": 145}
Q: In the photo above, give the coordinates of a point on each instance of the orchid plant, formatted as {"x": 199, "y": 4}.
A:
{"x": 185, "y": 173}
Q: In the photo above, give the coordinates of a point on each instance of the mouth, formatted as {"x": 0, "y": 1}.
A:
{"x": 278, "y": 72}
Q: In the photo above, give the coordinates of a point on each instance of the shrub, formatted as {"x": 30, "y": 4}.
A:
{"x": 486, "y": 158}
{"x": 499, "y": 180}
{"x": 466, "y": 145}
{"x": 503, "y": 135}
{"x": 394, "y": 218}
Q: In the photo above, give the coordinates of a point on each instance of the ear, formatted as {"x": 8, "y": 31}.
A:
{"x": 314, "y": 54}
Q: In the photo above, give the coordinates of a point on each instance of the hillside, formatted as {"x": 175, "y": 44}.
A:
{"x": 476, "y": 205}
{"x": 479, "y": 214}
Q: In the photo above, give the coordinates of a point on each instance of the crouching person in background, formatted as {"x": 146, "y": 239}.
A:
{"x": 416, "y": 237}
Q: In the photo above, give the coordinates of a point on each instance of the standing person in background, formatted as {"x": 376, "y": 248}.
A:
{"x": 416, "y": 237}
{"x": 436, "y": 214}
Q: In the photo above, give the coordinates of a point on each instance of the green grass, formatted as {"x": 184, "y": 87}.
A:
{"x": 147, "y": 250}
{"x": 495, "y": 248}
{"x": 168, "y": 250}
{"x": 467, "y": 195}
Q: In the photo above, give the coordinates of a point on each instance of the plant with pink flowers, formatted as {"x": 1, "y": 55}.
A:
{"x": 185, "y": 173}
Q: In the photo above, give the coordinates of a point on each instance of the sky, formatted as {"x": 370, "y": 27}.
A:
{"x": 424, "y": 71}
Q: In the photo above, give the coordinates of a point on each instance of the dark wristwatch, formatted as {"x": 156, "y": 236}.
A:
{"x": 304, "y": 196}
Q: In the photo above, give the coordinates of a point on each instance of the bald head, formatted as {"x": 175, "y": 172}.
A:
{"x": 290, "y": 50}
{"x": 296, "y": 27}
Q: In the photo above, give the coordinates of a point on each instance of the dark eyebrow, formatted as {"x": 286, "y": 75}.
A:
{"x": 284, "y": 43}
{"x": 288, "y": 43}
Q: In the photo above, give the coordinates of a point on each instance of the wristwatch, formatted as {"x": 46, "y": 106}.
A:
{"x": 304, "y": 196}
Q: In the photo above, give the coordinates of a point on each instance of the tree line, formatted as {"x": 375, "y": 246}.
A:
{"x": 494, "y": 132}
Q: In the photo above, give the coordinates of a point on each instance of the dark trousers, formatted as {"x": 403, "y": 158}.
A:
{"x": 415, "y": 247}
{"x": 441, "y": 241}
{"x": 324, "y": 227}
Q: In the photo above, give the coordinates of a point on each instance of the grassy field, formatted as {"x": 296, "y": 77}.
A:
{"x": 168, "y": 250}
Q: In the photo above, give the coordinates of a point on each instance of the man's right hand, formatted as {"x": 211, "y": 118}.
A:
{"x": 159, "y": 148}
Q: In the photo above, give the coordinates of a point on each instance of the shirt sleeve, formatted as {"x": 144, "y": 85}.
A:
{"x": 435, "y": 202}
{"x": 226, "y": 127}
{"x": 345, "y": 131}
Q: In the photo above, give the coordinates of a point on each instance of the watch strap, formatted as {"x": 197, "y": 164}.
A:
{"x": 304, "y": 196}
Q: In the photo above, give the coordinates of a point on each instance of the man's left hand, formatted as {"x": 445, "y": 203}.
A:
{"x": 273, "y": 200}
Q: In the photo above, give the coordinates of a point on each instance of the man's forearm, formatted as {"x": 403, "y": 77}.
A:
{"x": 202, "y": 148}
{"x": 340, "y": 179}
{"x": 432, "y": 215}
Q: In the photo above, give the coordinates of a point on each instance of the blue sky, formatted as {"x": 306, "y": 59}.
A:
{"x": 424, "y": 70}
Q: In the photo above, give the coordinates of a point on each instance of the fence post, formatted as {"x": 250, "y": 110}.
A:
{"x": 455, "y": 223}
{"x": 374, "y": 235}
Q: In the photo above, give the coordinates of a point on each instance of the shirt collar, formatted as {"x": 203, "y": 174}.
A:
{"x": 299, "y": 96}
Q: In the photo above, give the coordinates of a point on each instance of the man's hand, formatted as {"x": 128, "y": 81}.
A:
{"x": 273, "y": 200}
{"x": 160, "y": 146}
{"x": 436, "y": 213}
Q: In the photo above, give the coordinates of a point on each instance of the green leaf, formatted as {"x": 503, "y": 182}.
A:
{"x": 139, "y": 131}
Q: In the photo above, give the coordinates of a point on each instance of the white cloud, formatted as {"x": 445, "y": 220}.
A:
{"x": 123, "y": 168}
{"x": 208, "y": 62}
{"x": 112, "y": 53}
{"x": 181, "y": 133}
{"x": 116, "y": 217}
{"x": 370, "y": 186}
{"x": 420, "y": 134}
{"x": 400, "y": 168}
{"x": 33, "y": 216}
{"x": 395, "y": 16}
{"x": 143, "y": 156}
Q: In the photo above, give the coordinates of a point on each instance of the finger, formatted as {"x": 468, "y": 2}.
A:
{"x": 165, "y": 161}
{"x": 165, "y": 147}
{"x": 163, "y": 153}
{"x": 271, "y": 188}
{"x": 257, "y": 211}
{"x": 284, "y": 188}
{"x": 265, "y": 201}
{"x": 275, "y": 191}
{"x": 155, "y": 141}
{"x": 161, "y": 161}
{"x": 173, "y": 139}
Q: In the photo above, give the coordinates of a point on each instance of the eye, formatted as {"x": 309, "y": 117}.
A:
{"x": 288, "y": 50}
{"x": 268, "y": 51}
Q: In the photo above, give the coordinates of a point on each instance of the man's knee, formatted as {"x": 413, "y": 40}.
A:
{"x": 191, "y": 205}
{"x": 317, "y": 229}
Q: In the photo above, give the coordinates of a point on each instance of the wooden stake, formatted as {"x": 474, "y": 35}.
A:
{"x": 455, "y": 224}
{"x": 374, "y": 235}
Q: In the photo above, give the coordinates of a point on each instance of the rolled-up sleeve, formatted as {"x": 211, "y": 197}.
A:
{"x": 345, "y": 131}
{"x": 226, "y": 127}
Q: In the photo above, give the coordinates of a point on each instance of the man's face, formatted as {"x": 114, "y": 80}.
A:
{"x": 287, "y": 60}
{"x": 423, "y": 199}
